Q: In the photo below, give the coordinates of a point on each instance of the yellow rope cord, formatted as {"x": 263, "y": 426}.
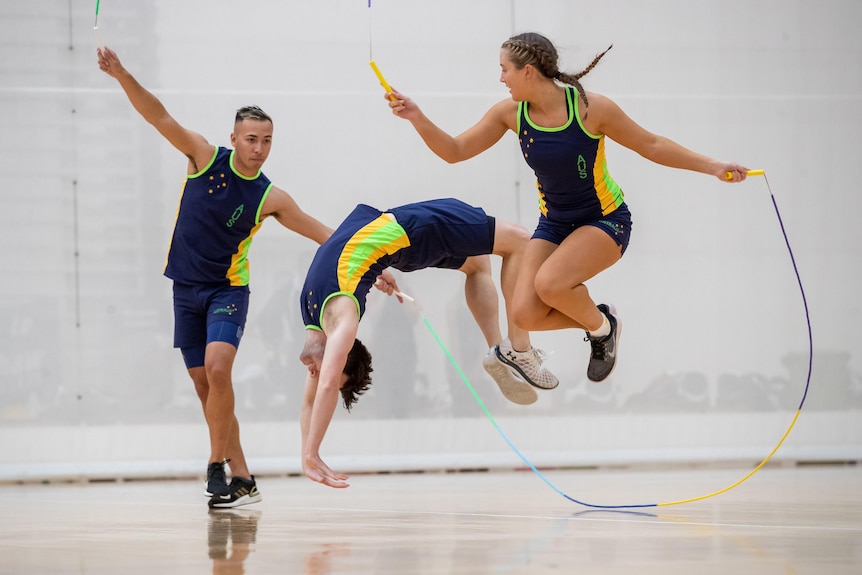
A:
{"x": 750, "y": 473}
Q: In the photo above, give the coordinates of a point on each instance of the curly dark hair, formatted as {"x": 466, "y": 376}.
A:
{"x": 358, "y": 371}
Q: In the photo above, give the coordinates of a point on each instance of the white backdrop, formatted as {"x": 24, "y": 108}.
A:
{"x": 714, "y": 357}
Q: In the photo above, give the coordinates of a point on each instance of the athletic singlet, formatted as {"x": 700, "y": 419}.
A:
{"x": 571, "y": 171}
{"x": 440, "y": 233}
{"x": 349, "y": 262}
{"x": 218, "y": 215}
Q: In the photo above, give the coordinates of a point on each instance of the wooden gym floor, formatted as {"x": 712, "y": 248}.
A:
{"x": 788, "y": 520}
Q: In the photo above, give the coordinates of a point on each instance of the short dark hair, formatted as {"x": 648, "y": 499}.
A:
{"x": 252, "y": 113}
{"x": 358, "y": 371}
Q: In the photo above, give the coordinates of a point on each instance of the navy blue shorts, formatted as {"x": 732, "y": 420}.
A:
{"x": 203, "y": 314}
{"x": 443, "y": 234}
{"x": 617, "y": 224}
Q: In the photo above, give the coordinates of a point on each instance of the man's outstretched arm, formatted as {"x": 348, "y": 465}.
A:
{"x": 193, "y": 145}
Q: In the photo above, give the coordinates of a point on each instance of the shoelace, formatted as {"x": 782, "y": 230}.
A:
{"x": 599, "y": 347}
{"x": 541, "y": 354}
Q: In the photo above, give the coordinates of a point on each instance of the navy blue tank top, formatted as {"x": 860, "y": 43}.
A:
{"x": 219, "y": 214}
{"x": 571, "y": 171}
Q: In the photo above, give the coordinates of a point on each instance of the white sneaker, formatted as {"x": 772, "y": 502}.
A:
{"x": 528, "y": 364}
{"x": 510, "y": 383}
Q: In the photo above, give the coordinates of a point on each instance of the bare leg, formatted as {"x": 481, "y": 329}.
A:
{"x": 238, "y": 465}
{"x": 510, "y": 243}
{"x": 559, "y": 282}
{"x": 521, "y": 362}
{"x": 214, "y": 387}
{"x": 550, "y": 293}
{"x": 482, "y": 299}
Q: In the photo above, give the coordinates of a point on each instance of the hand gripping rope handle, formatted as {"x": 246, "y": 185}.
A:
{"x": 729, "y": 175}
{"x": 689, "y": 500}
{"x": 382, "y": 80}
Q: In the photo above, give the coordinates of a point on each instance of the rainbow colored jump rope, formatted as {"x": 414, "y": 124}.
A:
{"x": 666, "y": 503}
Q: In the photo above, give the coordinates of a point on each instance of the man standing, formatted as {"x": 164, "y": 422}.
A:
{"x": 224, "y": 201}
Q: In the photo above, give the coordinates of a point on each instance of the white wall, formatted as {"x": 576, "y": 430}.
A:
{"x": 714, "y": 358}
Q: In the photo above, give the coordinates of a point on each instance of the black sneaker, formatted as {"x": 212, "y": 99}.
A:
{"x": 216, "y": 483}
{"x": 603, "y": 358}
{"x": 242, "y": 492}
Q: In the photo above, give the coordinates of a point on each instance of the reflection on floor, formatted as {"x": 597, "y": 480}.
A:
{"x": 783, "y": 520}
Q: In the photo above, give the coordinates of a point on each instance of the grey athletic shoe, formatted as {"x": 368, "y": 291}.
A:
{"x": 216, "y": 483}
{"x": 513, "y": 387}
{"x": 528, "y": 364}
{"x": 242, "y": 492}
{"x": 603, "y": 358}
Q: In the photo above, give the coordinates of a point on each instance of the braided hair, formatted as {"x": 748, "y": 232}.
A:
{"x": 536, "y": 50}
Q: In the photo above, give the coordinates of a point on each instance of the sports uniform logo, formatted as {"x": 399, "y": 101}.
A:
{"x": 582, "y": 167}
{"x": 235, "y": 216}
{"x": 229, "y": 309}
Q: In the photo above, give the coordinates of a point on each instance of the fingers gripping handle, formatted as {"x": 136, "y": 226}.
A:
{"x": 404, "y": 296}
{"x": 729, "y": 175}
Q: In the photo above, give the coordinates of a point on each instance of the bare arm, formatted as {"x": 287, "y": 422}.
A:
{"x": 193, "y": 145}
{"x": 314, "y": 467}
{"x": 472, "y": 142}
{"x": 341, "y": 322}
{"x": 311, "y": 379}
{"x": 288, "y": 213}
{"x": 606, "y": 117}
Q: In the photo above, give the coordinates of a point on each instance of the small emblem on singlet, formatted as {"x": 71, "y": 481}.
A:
{"x": 582, "y": 167}
{"x": 235, "y": 216}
